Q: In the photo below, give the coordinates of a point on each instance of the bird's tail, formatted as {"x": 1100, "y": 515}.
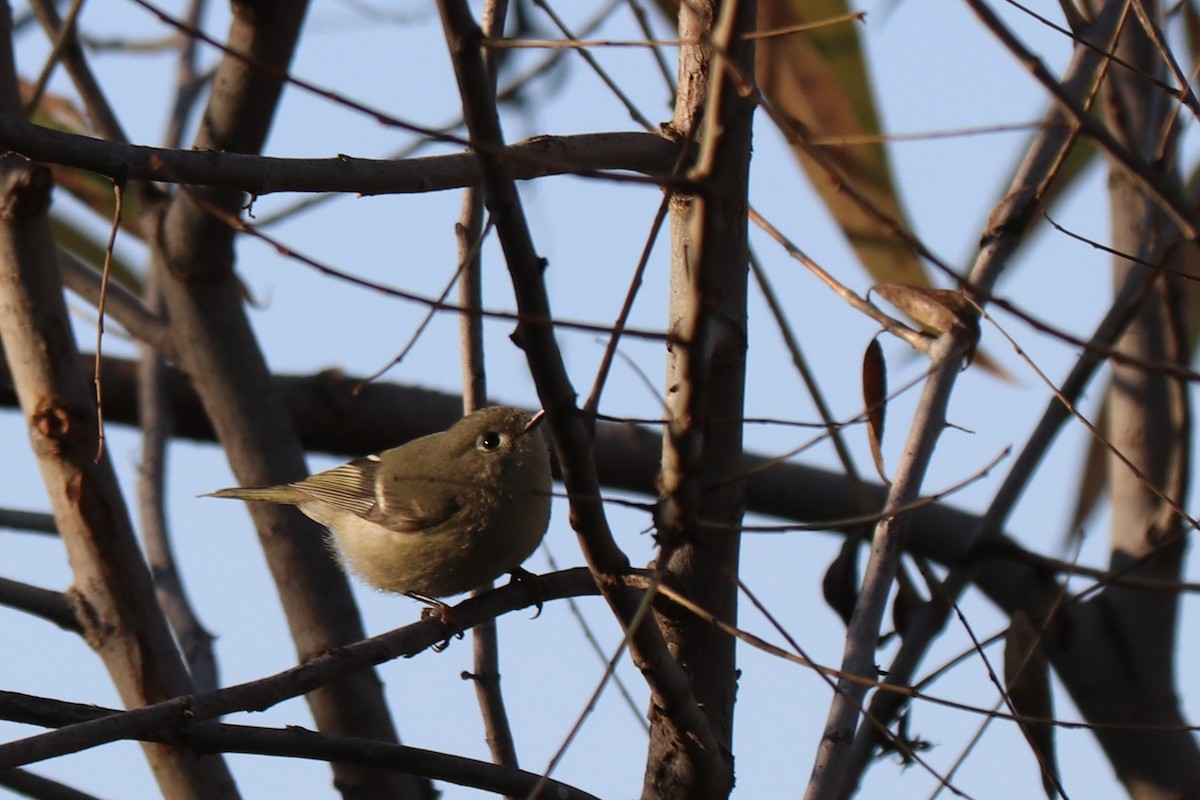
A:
{"x": 268, "y": 494}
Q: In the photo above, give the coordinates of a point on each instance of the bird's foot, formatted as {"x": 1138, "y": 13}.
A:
{"x": 436, "y": 609}
{"x": 535, "y": 584}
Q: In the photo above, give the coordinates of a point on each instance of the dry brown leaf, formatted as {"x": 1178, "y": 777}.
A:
{"x": 905, "y": 604}
{"x": 840, "y": 584}
{"x": 874, "y": 382}
{"x": 938, "y": 311}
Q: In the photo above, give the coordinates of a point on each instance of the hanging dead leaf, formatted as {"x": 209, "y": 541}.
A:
{"x": 874, "y": 381}
{"x": 1027, "y": 680}
{"x": 905, "y": 605}
{"x": 840, "y": 584}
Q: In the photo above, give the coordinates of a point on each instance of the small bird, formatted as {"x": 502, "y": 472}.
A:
{"x": 438, "y": 516}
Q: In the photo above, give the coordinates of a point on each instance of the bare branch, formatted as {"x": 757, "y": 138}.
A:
{"x": 49, "y": 605}
{"x": 322, "y": 670}
{"x": 593, "y": 154}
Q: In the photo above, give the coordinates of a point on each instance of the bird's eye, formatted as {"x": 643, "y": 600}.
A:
{"x": 489, "y": 442}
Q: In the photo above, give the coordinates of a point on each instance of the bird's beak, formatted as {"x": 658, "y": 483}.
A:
{"x": 534, "y": 421}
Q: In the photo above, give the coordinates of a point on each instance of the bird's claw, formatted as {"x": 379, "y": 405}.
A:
{"x": 535, "y": 584}
{"x": 437, "y": 610}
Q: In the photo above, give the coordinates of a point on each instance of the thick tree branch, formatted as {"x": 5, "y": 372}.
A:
{"x": 50, "y": 605}
{"x": 155, "y": 423}
{"x": 34, "y": 521}
{"x": 39, "y": 787}
{"x": 538, "y": 157}
{"x": 702, "y": 477}
{"x": 329, "y": 418}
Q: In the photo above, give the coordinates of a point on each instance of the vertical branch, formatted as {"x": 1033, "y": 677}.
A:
{"x": 486, "y": 675}
{"x": 830, "y": 769}
{"x": 157, "y": 425}
{"x": 573, "y": 436}
{"x": 1149, "y": 425}
{"x": 706, "y": 371}
{"x": 112, "y": 591}
{"x": 154, "y": 419}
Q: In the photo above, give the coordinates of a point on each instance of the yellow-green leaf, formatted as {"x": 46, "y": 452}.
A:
{"x": 93, "y": 190}
{"x": 818, "y": 77}
{"x": 90, "y": 250}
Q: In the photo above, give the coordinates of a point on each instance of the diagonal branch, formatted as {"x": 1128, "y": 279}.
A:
{"x": 329, "y": 667}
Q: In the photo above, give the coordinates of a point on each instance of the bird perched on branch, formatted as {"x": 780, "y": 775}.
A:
{"x": 438, "y": 516}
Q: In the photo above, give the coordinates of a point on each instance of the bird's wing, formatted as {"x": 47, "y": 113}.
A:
{"x": 350, "y": 487}
{"x": 413, "y": 503}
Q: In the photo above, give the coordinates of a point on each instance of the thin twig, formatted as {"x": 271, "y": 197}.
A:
{"x": 99, "y": 110}
{"x": 120, "y": 303}
{"x": 65, "y": 34}
{"x": 618, "y": 327}
{"x": 914, "y": 338}
{"x": 187, "y": 82}
{"x": 636, "y": 115}
{"x": 660, "y": 60}
{"x": 470, "y": 313}
{"x": 119, "y": 198}
{"x": 590, "y": 636}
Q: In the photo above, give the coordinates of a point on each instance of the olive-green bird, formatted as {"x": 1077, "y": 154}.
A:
{"x": 438, "y": 516}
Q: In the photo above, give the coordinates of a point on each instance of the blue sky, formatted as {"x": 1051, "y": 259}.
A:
{"x": 934, "y": 69}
